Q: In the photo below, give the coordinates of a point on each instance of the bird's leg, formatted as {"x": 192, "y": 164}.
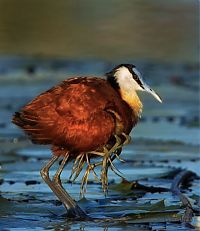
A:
{"x": 69, "y": 202}
{"x": 104, "y": 171}
{"x": 55, "y": 185}
{"x": 45, "y": 170}
{"x": 56, "y": 178}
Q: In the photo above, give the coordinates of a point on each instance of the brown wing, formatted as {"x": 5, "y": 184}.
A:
{"x": 71, "y": 114}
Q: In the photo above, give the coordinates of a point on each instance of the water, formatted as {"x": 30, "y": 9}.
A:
{"x": 44, "y": 42}
{"x": 165, "y": 140}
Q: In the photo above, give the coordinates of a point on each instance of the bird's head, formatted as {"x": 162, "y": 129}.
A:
{"x": 128, "y": 79}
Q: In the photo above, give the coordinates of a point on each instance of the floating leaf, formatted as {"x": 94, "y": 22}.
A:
{"x": 133, "y": 186}
{"x": 123, "y": 186}
{"x": 162, "y": 216}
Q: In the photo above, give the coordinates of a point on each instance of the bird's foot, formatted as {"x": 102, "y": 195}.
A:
{"x": 90, "y": 168}
{"x": 108, "y": 158}
{"x": 127, "y": 138}
{"x": 77, "y": 167}
{"x": 119, "y": 144}
{"x": 108, "y": 155}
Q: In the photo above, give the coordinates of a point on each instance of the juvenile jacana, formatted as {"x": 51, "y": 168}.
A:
{"x": 85, "y": 117}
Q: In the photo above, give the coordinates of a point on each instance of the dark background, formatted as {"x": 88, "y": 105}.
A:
{"x": 108, "y": 30}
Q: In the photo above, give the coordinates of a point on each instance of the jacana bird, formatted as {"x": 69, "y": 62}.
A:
{"x": 82, "y": 118}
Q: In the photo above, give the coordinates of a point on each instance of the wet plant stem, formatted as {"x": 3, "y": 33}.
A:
{"x": 175, "y": 188}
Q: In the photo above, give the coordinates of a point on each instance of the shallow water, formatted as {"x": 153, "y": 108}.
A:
{"x": 166, "y": 139}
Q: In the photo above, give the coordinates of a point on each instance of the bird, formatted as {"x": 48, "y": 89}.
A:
{"x": 82, "y": 118}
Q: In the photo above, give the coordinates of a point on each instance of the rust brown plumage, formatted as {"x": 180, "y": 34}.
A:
{"x": 81, "y": 118}
{"x": 75, "y": 116}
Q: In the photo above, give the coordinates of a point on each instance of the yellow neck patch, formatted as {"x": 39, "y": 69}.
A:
{"x": 133, "y": 101}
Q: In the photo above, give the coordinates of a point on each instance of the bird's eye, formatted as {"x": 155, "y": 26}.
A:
{"x": 135, "y": 77}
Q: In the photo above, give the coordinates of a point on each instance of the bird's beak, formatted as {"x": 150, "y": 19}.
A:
{"x": 152, "y": 92}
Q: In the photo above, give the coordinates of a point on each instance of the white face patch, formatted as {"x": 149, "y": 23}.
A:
{"x": 128, "y": 85}
{"x": 125, "y": 79}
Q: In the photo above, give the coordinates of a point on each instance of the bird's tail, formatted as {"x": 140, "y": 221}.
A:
{"x": 17, "y": 119}
{"x": 22, "y": 120}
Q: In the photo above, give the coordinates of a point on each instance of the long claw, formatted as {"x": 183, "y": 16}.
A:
{"x": 104, "y": 171}
{"x": 127, "y": 139}
{"x": 114, "y": 168}
{"x": 118, "y": 140}
{"x": 116, "y": 172}
{"x": 97, "y": 153}
{"x": 75, "y": 165}
{"x": 84, "y": 182}
{"x": 78, "y": 171}
{"x": 86, "y": 175}
{"x": 91, "y": 168}
{"x": 119, "y": 158}
{"x": 79, "y": 168}
{"x": 108, "y": 155}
